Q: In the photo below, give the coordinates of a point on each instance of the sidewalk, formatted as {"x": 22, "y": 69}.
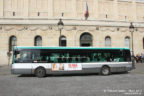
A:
{"x": 139, "y": 68}
{"x": 5, "y": 70}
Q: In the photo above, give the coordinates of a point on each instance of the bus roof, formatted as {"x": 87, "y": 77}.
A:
{"x": 44, "y": 47}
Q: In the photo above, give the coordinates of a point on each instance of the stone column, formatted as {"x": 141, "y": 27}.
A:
{"x": 26, "y": 9}
{"x": 134, "y": 11}
{"x": 96, "y": 9}
{"x": 116, "y": 15}
{"x": 50, "y": 8}
{"x": 14, "y": 5}
{"x": 1, "y": 8}
{"x": 74, "y": 9}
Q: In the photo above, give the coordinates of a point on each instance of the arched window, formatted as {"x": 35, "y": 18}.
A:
{"x": 127, "y": 42}
{"x": 86, "y": 40}
{"x": 38, "y": 41}
{"x": 62, "y": 41}
{"x": 12, "y": 42}
{"x": 107, "y": 41}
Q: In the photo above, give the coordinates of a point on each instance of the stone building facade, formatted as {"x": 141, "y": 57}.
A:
{"x": 34, "y": 23}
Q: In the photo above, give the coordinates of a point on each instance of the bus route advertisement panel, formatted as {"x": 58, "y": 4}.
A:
{"x": 66, "y": 67}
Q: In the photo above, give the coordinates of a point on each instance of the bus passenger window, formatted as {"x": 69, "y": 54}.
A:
{"x": 108, "y": 59}
{"x": 70, "y": 59}
{"x": 73, "y": 59}
{"x": 88, "y": 59}
{"x": 41, "y": 58}
{"x": 77, "y": 59}
{"x": 59, "y": 59}
{"x": 121, "y": 59}
{"x": 47, "y": 59}
{"x": 52, "y": 58}
{"x": 64, "y": 59}
{"x": 94, "y": 57}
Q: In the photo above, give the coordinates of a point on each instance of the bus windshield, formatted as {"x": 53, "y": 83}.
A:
{"x": 23, "y": 56}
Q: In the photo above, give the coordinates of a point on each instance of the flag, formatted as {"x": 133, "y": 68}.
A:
{"x": 86, "y": 13}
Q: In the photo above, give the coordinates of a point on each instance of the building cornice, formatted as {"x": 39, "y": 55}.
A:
{"x": 69, "y": 22}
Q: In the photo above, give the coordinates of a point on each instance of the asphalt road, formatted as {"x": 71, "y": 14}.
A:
{"x": 128, "y": 84}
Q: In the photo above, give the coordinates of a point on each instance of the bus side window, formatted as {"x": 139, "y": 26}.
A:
{"x": 117, "y": 56}
{"x": 56, "y": 56}
{"x": 90, "y": 56}
{"x": 67, "y": 57}
{"x": 51, "y": 58}
{"x": 88, "y": 59}
{"x": 47, "y": 59}
{"x": 127, "y": 55}
{"x": 82, "y": 59}
{"x": 121, "y": 59}
{"x": 94, "y": 57}
{"x": 73, "y": 59}
{"x": 99, "y": 57}
{"x": 63, "y": 59}
{"x": 121, "y": 56}
{"x": 70, "y": 59}
{"x": 79, "y": 58}
{"x": 41, "y": 57}
{"x": 107, "y": 57}
{"x": 33, "y": 56}
{"x": 116, "y": 59}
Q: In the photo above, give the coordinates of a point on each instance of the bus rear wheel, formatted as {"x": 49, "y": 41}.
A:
{"x": 40, "y": 72}
{"x": 105, "y": 70}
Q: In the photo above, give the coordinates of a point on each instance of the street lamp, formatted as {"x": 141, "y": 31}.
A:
{"x": 60, "y": 27}
{"x": 131, "y": 28}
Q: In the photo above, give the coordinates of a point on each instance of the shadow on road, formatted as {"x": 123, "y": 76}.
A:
{"x": 71, "y": 75}
{"x": 26, "y": 75}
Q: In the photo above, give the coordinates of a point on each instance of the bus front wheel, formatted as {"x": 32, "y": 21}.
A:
{"x": 105, "y": 70}
{"x": 40, "y": 72}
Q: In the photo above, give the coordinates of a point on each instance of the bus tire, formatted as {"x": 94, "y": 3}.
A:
{"x": 105, "y": 70}
{"x": 40, "y": 72}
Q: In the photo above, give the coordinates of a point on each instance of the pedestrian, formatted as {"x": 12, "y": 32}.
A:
{"x": 137, "y": 58}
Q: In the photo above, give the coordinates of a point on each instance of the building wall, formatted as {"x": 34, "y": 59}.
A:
{"x": 125, "y": 10}
{"x": 27, "y": 19}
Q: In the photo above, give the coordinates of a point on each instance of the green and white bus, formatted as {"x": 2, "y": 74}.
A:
{"x": 62, "y": 60}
